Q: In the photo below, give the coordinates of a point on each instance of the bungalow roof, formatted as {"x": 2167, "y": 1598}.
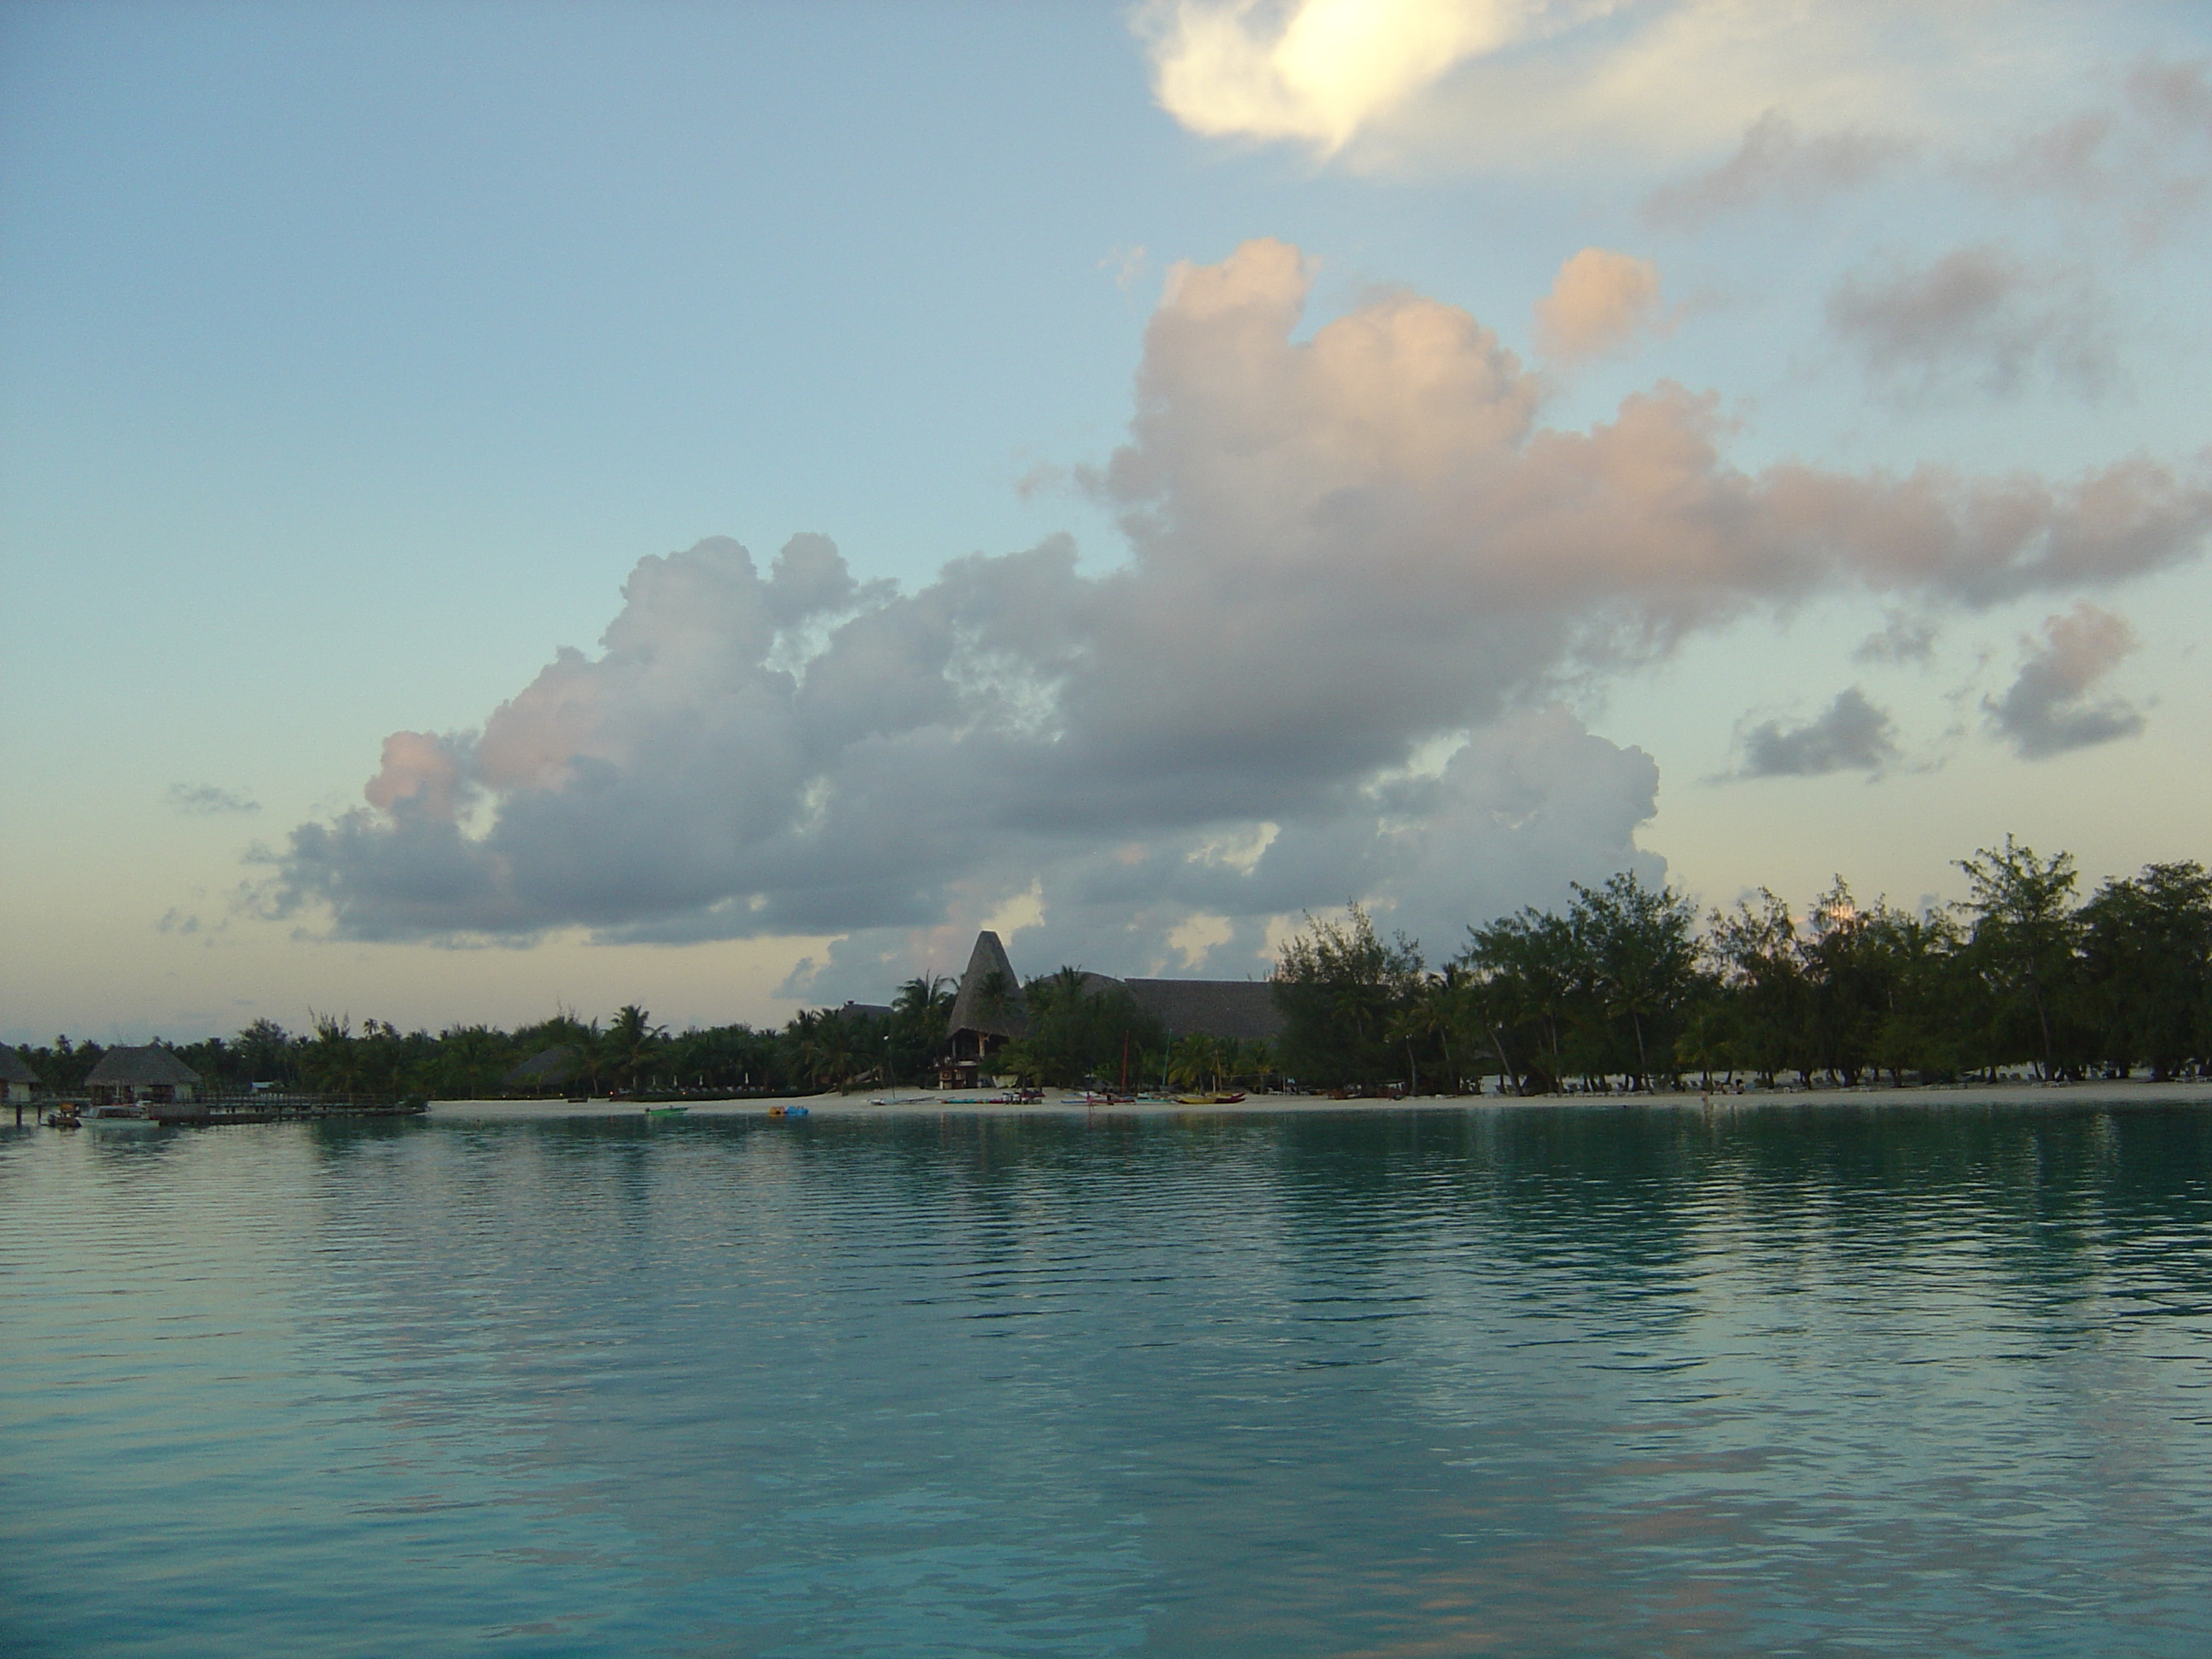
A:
{"x": 547, "y": 1066}
{"x": 145, "y": 1067}
{"x": 1241, "y": 1008}
{"x": 972, "y": 1011}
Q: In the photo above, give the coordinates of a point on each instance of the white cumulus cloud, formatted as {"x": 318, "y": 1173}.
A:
{"x": 1361, "y": 567}
{"x": 1525, "y": 85}
{"x": 1599, "y": 302}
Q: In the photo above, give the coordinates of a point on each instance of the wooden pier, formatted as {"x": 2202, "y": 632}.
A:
{"x": 69, "y": 1112}
{"x": 270, "y": 1107}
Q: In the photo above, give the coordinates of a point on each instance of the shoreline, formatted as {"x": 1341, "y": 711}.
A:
{"x": 2130, "y": 1091}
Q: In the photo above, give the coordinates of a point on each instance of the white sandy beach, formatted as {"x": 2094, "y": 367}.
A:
{"x": 1056, "y": 1103}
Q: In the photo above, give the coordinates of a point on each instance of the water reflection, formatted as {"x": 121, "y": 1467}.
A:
{"x": 1556, "y": 1380}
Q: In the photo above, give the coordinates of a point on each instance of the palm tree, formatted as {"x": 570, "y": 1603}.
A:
{"x": 1195, "y": 1060}
{"x": 803, "y": 1034}
{"x": 1432, "y": 1012}
{"x": 333, "y": 1061}
{"x": 924, "y": 996}
{"x": 633, "y": 1040}
{"x": 593, "y": 1056}
{"x": 994, "y": 994}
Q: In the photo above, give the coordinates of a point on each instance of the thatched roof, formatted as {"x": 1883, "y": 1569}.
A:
{"x": 13, "y": 1070}
{"x": 140, "y": 1068}
{"x": 1011, "y": 1017}
{"x": 547, "y": 1068}
{"x": 1241, "y": 1008}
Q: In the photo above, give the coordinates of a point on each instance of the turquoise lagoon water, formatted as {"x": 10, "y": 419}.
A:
{"x": 1525, "y": 1381}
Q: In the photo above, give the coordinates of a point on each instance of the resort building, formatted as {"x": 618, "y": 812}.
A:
{"x": 988, "y": 1010}
{"x": 148, "y": 1076}
{"x": 1241, "y": 1008}
{"x": 18, "y": 1082}
{"x": 550, "y": 1070}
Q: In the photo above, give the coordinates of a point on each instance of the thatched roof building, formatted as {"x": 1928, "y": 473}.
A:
{"x": 980, "y": 1021}
{"x": 1241, "y": 1008}
{"x": 549, "y": 1068}
{"x": 987, "y": 1006}
{"x": 149, "y": 1072}
{"x": 987, "y": 1012}
{"x": 17, "y": 1080}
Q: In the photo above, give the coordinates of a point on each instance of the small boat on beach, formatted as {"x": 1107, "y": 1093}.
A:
{"x": 1208, "y": 1100}
{"x": 666, "y": 1111}
{"x": 901, "y": 1100}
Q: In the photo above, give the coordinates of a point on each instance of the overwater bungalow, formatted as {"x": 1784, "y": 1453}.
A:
{"x": 18, "y": 1082}
{"x": 148, "y": 1076}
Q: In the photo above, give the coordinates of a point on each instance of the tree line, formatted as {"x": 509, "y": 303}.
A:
{"x": 630, "y": 1053}
{"x": 1627, "y": 987}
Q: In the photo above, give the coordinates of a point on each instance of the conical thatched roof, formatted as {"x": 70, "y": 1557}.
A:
{"x": 140, "y": 1068}
{"x": 971, "y": 1011}
{"x": 13, "y": 1070}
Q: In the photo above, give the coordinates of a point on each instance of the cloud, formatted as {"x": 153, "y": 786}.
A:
{"x": 1599, "y": 302}
{"x": 1849, "y": 735}
{"x": 1361, "y": 570}
{"x": 2142, "y": 152}
{"x": 207, "y": 800}
{"x": 2047, "y": 709}
{"x": 1901, "y": 639}
{"x": 1777, "y": 163}
{"x": 1977, "y": 312}
{"x": 1533, "y": 85}
{"x": 1126, "y": 261}
{"x": 1318, "y": 70}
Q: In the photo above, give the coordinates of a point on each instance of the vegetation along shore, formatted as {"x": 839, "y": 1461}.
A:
{"x": 1626, "y": 988}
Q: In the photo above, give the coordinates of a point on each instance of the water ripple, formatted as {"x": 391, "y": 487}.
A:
{"x": 1540, "y": 1380}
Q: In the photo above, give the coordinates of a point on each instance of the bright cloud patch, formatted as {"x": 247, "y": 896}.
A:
{"x": 1599, "y": 302}
{"x": 1524, "y": 84}
{"x": 1348, "y": 553}
{"x": 1320, "y": 70}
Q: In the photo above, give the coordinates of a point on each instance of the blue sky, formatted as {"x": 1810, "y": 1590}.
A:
{"x": 352, "y": 358}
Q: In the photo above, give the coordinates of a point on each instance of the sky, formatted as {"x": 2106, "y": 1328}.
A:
{"x": 512, "y": 507}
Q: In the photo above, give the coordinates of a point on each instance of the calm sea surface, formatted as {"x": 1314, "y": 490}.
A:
{"x": 1518, "y": 1380}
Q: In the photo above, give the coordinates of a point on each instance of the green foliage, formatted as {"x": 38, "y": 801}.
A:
{"x": 1622, "y": 985}
{"x": 1605, "y": 990}
{"x": 2022, "y": 947}
{"x": 2146, "y": 968}
{"x": 1077, "y": 1032}
{"x": 1340, "y": 988}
